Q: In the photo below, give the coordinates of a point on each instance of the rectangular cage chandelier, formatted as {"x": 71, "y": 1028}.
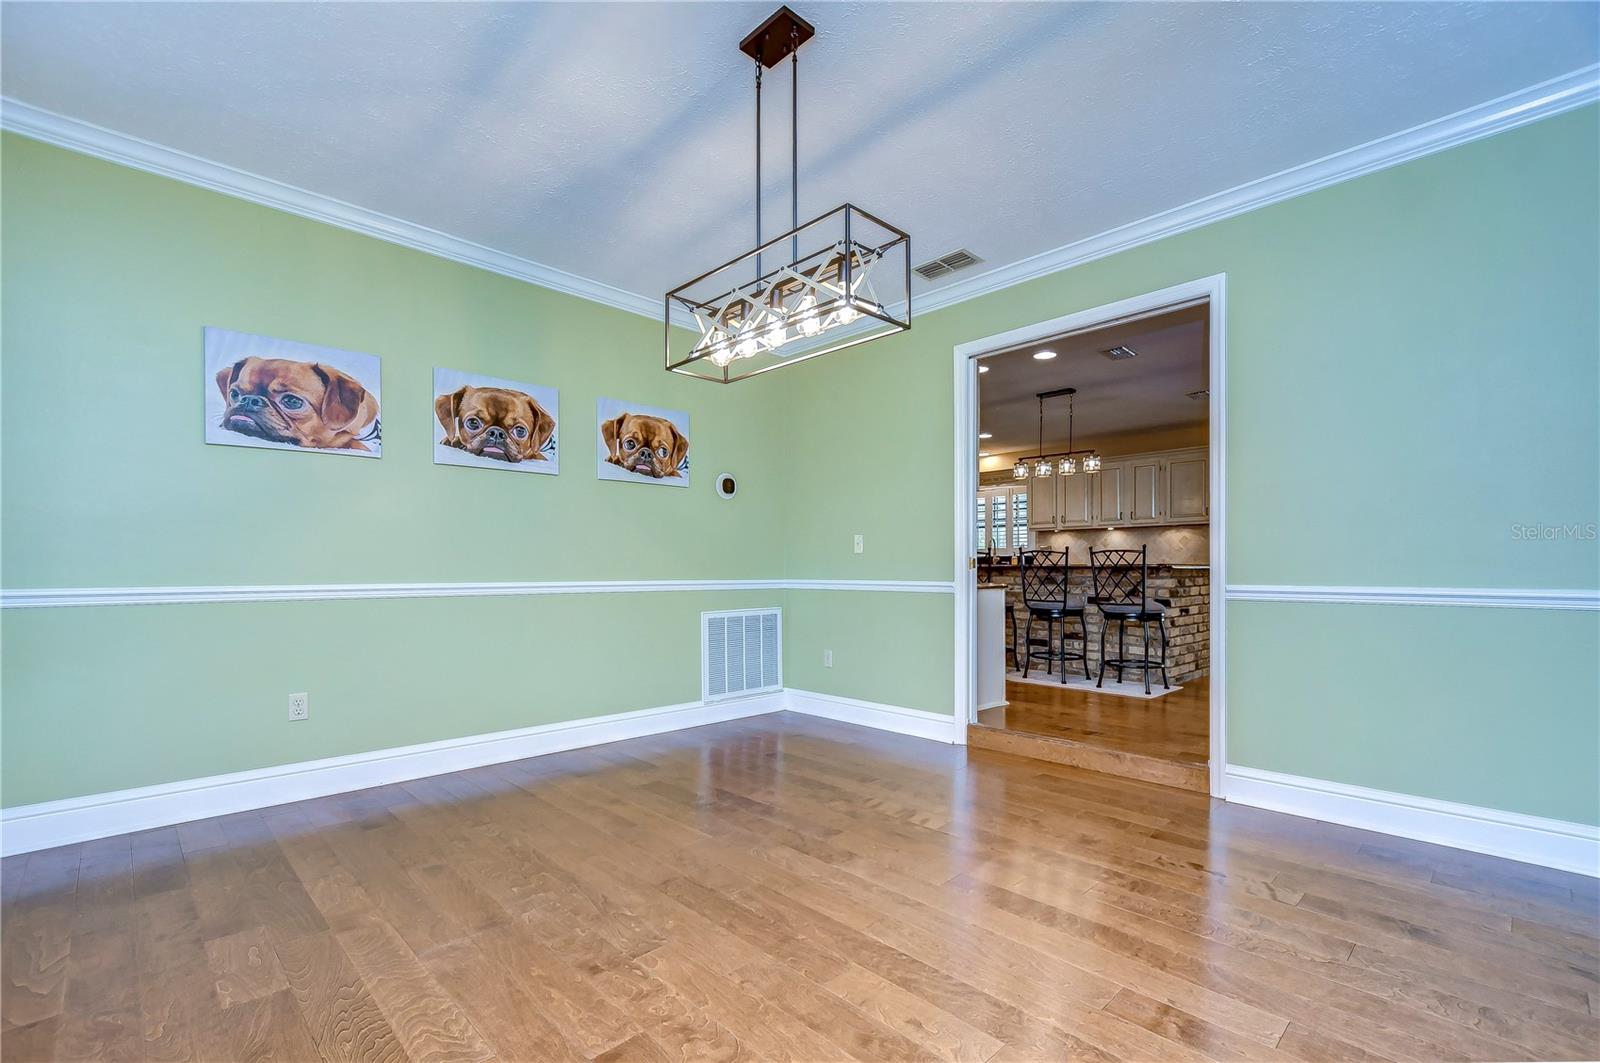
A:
{"x": 840, "y": 279}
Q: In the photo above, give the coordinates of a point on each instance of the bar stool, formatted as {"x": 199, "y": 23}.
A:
{"x": 1045, "y": 597}
{"x": 1120, "y": 580}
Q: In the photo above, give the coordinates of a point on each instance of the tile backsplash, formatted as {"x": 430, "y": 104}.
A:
{"x": 1183, "y": 545}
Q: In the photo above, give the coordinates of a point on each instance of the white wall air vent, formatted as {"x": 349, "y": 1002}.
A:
{"x": 741, "y": 652}
{"x": 938, "y": 267}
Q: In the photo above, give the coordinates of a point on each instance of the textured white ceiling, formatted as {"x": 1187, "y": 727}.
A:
{"x": 614, "y": 140}
{"x": 1145, "y": 392}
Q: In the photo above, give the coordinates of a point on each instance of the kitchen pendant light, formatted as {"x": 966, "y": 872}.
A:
{"x": 1066, "y": 464}
{"x": 840, "y": 279}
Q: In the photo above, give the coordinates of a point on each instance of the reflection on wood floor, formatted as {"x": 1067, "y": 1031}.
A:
{"x": 1164, "y": 740}
{"x": 1172, "y": 727}
{"x": 787, "y": 888}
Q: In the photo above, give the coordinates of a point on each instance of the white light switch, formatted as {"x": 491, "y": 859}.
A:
{"x": 827, "y": 658}
{"x": 861, "y": 544}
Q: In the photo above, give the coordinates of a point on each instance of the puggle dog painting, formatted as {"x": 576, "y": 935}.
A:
{"x": 644, "y": 444}
{"x": 284, "y": 395}
{"x": 494, "y": 424}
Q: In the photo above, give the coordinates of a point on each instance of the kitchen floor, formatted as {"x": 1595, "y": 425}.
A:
{"x": 1170, "y": 728}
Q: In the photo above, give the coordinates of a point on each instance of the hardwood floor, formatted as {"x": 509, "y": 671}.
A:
{"x": 1173, "y": 727}
{"x": 1164, "y": 740}
{"x": 788, "y": 888}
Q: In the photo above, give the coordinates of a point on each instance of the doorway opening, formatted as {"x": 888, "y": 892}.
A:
{"x": 1090, "y": 497}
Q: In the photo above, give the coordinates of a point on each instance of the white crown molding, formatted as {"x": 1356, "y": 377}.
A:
{"x": 916, "y": 723}
{"x": 1492, "y": 597}
{"x": 58, "y": 597}
{"x": 1544, "y": 100}
{"x": 89, "y": 139}
{"x": 29, "y": 827}
{"x": 1531, "y": 839}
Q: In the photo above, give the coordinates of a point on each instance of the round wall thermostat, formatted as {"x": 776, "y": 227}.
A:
{"x": 727, "y": 486}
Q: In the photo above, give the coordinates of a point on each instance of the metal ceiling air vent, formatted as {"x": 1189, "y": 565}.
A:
{"x": 1203, "y": 393}
{"x": 1120, "y": 353}
{"x": 938, "y": 267}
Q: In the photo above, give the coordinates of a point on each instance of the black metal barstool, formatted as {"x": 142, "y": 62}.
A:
{"x": 1045, "y": 597}
{"x": 1121, "y": 578}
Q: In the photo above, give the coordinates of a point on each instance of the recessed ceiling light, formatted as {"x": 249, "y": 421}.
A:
{"x": 1043, "y": 356}
{"x": 985, "y": 435}
{"x": 983, "y": 369}
{"x": 984, "y": 454}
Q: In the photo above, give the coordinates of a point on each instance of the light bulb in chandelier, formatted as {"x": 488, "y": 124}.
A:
{"x": 1043, "y": 467}
{"x": 1019, "y": 471}
{"x": 1068, "y": 466}
{"x": 746, "y": 347}
{"x": 1091, "y": 463}
{"x": 776, "y": 334}
{"x": 809, "y": 323}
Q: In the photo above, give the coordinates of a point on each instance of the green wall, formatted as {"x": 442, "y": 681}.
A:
{"x": 110, "y": 276}
{"x": 1413, "y": 370}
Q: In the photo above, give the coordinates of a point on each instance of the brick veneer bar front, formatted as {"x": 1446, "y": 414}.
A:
{"x": 1188, "y": 588}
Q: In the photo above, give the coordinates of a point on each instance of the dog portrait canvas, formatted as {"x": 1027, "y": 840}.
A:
{"x": 644, "y": 444}
{"x": 284, "y": 395}
{"x": 489, "y": 423}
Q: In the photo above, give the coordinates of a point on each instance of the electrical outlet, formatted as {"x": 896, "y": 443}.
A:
{"x": 827, "y": 658}
{"x": 299, "y": 706}
{"x": 861, "y": 544}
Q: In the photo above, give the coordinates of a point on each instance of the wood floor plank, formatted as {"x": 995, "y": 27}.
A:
{"x": 511, "y": 1019}
{"x": 787, "y": 888}
{"x": 430, "y": 1024}
{"x": 244, "y": 967}
{"x": 341, "y": 1016}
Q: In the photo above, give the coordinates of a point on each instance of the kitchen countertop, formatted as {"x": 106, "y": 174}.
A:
{"x": 1153, "y": 564}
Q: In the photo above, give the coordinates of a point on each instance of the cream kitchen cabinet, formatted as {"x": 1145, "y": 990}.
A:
{"x": 1145, "y": 478}
{"x": 1058, "y": 502}
{"x": 1187, "y": 495}
{"x": 1144, "y": 490}
{"x": 1111, "y": 493}
{"x": 1044, "y": 504}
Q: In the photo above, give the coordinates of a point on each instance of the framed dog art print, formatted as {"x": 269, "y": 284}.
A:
{"x": 644, "y": 444}
{"x": 489, "y": 423}
{"x": 285, "y": 395}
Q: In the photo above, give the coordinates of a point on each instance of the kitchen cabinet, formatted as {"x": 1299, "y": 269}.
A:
{"x": 1160, "y": 489}
{"x": 1188, "y": 489}
{"x": 1144, "y": 489}
{"x": 1044, "y": 505}
{"x": 1075, "y": 500}
{"x": 1113, "y": 501}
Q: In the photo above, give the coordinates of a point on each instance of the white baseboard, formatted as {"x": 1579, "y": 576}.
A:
{"x": 1548, "y": 842}
{"x": 918, "y": 723}
{"x": 29, "y": 827}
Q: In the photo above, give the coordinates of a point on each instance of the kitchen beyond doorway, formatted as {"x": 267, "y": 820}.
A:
{"x": 1091, "y": 522}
